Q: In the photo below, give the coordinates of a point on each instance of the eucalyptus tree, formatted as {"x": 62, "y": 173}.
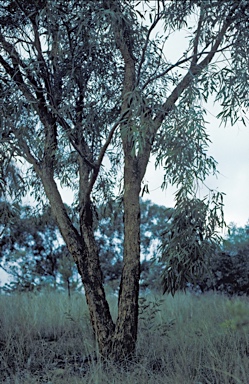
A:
{"x": 85, "y": 81}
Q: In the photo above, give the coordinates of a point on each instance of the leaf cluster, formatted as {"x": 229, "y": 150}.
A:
{"x": 190, "y": 241}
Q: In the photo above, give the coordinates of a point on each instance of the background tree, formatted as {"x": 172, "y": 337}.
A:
{"x": 229, "y": 267}
{"x": 110, "y": 238}
{"x": 81, "y": 81}
{"x": 30, "y": 247}
{"x": 33, "y": 253}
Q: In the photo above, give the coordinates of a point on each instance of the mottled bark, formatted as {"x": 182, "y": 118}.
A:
{"x": 85, "y": 253}
{"x": 126, "y": 327}
{"x": 92, "y": 279}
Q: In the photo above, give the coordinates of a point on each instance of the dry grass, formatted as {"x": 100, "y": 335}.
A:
{"x": 47, "y": 338}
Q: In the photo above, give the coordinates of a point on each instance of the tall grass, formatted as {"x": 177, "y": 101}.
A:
{"x": 47, "y": 338}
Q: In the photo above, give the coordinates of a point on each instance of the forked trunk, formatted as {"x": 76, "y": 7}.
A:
{"x": 115, "y": 342}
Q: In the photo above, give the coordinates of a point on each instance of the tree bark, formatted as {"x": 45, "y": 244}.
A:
{"x": 125, "y": 337}
{"x": 85, "y": 253}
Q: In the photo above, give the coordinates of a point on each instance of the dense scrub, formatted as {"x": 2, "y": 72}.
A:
{"x": 47, "y": 338}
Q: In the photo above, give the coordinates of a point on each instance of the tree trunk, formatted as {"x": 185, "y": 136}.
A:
{"x": 92, "y": 279}
{"x": 115, "y": 342}
{"x": 125, "y": 337}
{"x": 83, "y": 248}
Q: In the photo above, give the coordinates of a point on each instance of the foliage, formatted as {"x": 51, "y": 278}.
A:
{"x": 74, "y": 63}
{"x": 32, "y": 250}
{"x": 190, "y": 241}
{"x": 237, "y": 239}
{"x": 239, "y": 316}
{"x": 110, "y": 238}
{"x": 82, "y": 66}
{"x": 34, "y": 254}
{"x": 229, "y": 268}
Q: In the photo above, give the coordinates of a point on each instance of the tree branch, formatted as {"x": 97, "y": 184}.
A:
{"x": 197, "y": 38}
{"x": 178, "y": 63}
{"x": 15, "y": 72}
{"x": 39, "y": 103}
{"x": 121, "y": 30}
{"x": 40, "y": 59}
{"x": 153, "y": 25}
{"x": 194, "y": 71}
{"x": 27, "y": 153}
{"x": 67, "y": 129}
{"x": 100, "y": 159}
{"x": 16, "y": 75}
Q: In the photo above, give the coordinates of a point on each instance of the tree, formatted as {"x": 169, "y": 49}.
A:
{"x": 30, "y": 248}
{"x": 85, "y": 81}
{"x": 229, "y": 269}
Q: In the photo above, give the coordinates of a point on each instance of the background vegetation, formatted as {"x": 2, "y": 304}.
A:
{"x": 34, "y": 254}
